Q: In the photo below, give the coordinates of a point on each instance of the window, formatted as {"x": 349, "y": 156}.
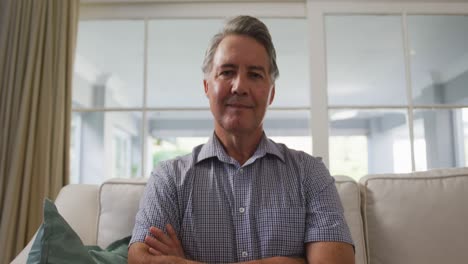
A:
{"x": 381, "y": 87}
{"x": 465, "y": 132}
{"x": 121, "y": 151}
{"x": 75, "y": 151}
{"x": 410, "y": 119}
{"x": 138, "y": 91}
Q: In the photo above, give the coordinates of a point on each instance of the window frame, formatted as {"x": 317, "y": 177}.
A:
{"x": 153, "y": 10}
{"x": 312, "y": 10}
{"x": 316, "y": 13}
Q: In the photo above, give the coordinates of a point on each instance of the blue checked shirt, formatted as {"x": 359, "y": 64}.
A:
{"x": 224, "y": 212}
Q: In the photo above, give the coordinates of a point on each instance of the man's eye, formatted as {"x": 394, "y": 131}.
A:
{"x": 226, "y": 73}
{"x": 256, "y": 75}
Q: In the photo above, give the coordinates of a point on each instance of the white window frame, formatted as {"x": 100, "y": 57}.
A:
{"x": 76, "y": 130}
{"x": 120, "y": 136}
{"x": 314, "y": 11}
{"x": 153, "y": 9}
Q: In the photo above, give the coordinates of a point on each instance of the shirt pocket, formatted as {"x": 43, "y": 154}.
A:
{"x": 282, "y": 231}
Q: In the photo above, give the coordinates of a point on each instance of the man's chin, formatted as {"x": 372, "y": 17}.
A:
{"x": 238, "y": 128}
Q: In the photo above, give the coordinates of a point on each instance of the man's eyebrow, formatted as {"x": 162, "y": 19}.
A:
{"x": 250, "y": 68}
{"x": 228, "y": 65}
{"x": 257, "y": 68}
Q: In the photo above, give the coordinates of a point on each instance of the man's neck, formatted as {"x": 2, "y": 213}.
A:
{"x": 240, "y": 146}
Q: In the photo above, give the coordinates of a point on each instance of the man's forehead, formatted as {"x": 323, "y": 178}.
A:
{"x": 234, "y": 50}
{"x": 250, "y": 67}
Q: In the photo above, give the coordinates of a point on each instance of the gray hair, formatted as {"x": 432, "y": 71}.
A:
{"x": 248, "y": 26}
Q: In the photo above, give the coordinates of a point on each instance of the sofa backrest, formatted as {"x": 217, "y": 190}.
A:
{"x": 78, "y": 204}
{"x": 348, "y": 190}
{"x": 119, "y": 201}
{"x": 406, "y": 218}
{"x": 118, "y": 204}
{"x": 417, "y": 217}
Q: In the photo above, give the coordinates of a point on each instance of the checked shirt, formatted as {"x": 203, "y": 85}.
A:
{"x": 224, "y": 212}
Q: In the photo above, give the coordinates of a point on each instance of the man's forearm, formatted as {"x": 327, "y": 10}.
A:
{"x": 277, "y": 260}
{"x": 273, "y": 260}
{"x": 138, "y": 253}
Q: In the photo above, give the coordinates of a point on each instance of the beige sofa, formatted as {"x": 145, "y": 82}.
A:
{"x": 394, "y": 218}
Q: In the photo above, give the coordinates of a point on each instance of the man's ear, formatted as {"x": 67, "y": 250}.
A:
{"x": 205, "y": 86}
{"x": 272, "y": 95}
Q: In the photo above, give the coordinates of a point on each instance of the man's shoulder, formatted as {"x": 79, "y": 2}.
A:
{"x": 294, "y": 155}
{"x": 180, "y": 163}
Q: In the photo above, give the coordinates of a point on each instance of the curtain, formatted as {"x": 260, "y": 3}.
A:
{"x": 37, "y": 42}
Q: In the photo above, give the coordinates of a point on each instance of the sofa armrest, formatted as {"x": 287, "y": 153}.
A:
{"x": 78, "y": 204}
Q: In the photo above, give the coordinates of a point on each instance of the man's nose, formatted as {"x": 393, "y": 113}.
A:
{"x": 240, "y": 85}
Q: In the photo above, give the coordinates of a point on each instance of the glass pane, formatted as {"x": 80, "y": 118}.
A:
{"x": 109, "y": 64}
{"x": 75, "y": 148}
{"x": 465, "y": 133}
{"x": 105, "y": 145}
{"x": 439, "y": 59}
{"x": 176, "y": 49}
{"x": 289, "y": 38}
{"x": 368, "y": 142}
{"x": 441, "y": 138}
{"x": 291, "y": 128}
{"x": 365, "y": 60}
{"x": 175, "y": 70}
{"x": 175, "y": 133}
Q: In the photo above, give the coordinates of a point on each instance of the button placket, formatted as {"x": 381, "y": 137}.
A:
{"x": 241, "y": 218}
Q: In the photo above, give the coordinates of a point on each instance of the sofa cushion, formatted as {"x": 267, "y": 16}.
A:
{"x": 118, "y": 205}
{"x": 78, "y": 204}
{"x": 56, "y": 241}
{"x": 416, "y": 218}
{"x": 348, "y": 190}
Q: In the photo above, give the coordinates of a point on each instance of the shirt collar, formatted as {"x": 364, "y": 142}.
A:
{"x": 214, "y": 148}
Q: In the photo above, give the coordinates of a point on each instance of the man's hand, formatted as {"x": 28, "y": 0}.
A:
{"x": 276, "y": 260}
{"x": 164, "y": 245}
{"x": 138, "y": 253}
{"x": 160, "y": 249}
{"x": 171, "y": 260}
{"x": 330, "y": 253}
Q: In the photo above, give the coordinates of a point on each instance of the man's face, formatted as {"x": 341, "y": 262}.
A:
{"x": 239, "y": 86}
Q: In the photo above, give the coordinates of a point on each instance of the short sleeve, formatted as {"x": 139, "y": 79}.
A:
{"x": 158, "y": 205}
{"x": 325, "y": 219}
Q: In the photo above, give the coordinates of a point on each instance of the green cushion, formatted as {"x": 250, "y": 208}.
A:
{"x": 57, "y": 242}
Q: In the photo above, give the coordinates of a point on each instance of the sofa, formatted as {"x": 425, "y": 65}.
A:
{"x": 419, "y": 217}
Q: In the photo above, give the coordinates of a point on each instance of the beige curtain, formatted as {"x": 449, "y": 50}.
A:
{"x": 37, "y": 42}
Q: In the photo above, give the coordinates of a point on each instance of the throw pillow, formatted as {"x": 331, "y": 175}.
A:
{"x": 57, "y": 242}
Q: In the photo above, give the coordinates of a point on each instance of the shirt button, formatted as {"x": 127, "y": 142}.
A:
{"x": 245, "y": 254}
{"x": 241, "y": 210}
{"x": 241, "y": 170}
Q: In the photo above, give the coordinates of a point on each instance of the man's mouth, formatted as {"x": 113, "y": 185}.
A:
{"x": 239, "y": 106}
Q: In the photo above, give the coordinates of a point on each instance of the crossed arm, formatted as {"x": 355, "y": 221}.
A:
{"x": 167, "y": 249}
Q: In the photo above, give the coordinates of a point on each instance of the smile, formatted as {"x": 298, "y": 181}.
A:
{"x": 239, "y": 106}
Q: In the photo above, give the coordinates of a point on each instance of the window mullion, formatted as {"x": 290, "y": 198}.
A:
{"x": 318, "y": 83}
{"x": 145, "y": 103}
{"x": 409, "y": 92}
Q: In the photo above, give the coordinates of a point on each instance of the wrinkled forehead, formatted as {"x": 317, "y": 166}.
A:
{"x": 241, "y": 50}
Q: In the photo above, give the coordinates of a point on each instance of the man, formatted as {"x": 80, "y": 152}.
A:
{"x": 241, "y": 197}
